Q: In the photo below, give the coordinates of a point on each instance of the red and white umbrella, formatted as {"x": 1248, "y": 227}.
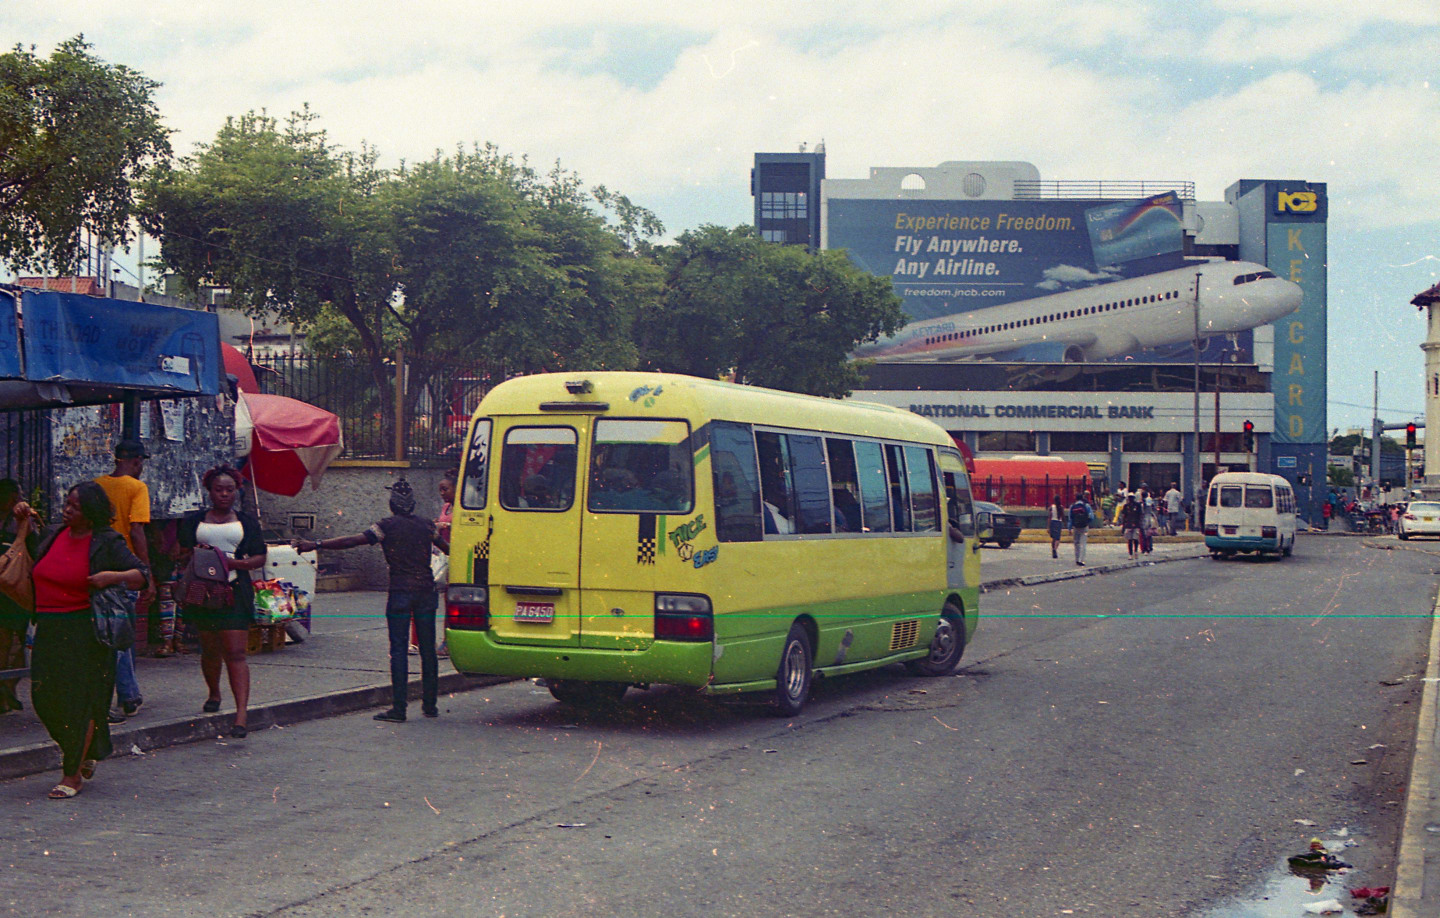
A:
{"x": 287, "y": 441}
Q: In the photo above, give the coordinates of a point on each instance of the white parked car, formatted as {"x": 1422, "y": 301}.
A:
{"x": 1422, "y": 517}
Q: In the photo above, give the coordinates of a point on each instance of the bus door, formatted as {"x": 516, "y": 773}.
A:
{"x": 963, "y": 558}
{"x": 535, "y": 546}
{"x": 642, "y": 534}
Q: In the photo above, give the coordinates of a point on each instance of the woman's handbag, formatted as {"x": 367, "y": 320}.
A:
{"x": 206, "y": 581}
{"x": 110, "y": 609}
{"x": 15, "y": 567}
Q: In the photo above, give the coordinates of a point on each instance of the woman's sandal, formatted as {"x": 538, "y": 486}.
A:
{"x": 87, "y": 769}
{"x": 62, "y": 792}
{"x": 210, "y": 706}
{"x": 239, "y": 731}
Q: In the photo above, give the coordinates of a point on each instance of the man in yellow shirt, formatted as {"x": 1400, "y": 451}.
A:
{"x": 131, "y": 500}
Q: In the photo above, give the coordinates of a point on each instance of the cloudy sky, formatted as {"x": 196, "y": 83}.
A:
{"x": 668, "y": 102}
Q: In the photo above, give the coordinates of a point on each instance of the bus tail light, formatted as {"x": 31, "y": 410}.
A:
{"x": 467, "y": 608}
{"x": 1268, "y": 532}
{"x": 1212, "y": 529}
{"x": 683, "y": 617}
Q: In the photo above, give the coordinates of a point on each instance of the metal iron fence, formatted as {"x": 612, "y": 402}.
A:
{"x": 25, "y": 453}
{"x": 436, "y": 409}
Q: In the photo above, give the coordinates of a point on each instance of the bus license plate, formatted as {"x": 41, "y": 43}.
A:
{"x": 542, "y": 612}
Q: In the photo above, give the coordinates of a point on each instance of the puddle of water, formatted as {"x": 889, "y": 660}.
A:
{"x": 1284, "y": 892}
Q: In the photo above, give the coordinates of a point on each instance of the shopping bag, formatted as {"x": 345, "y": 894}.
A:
{"x": 110, "y": 609}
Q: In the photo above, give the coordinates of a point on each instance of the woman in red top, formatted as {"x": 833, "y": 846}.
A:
{"x": 72, "y": 675}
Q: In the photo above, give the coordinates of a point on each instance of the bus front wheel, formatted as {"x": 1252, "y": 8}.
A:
{"x": 946, "y": 648}
{"x": 586, "y": 694}
{"x": 793, "y": 678}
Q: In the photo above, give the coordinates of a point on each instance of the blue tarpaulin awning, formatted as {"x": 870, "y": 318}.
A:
{"x": 77, "y": 349}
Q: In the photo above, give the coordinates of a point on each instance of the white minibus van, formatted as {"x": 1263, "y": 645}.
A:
{"x": 1249, "y": 512}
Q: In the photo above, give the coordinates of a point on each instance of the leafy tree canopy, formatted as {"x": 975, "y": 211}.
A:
{"x": 74, "y": 133}
{"x": 773, "y": 315}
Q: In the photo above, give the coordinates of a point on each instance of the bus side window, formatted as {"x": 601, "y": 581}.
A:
{"x": 874, "y": 492}
{"x": 1214, "y": 499}
{"x": 960, "y": 511}
{"x": 899, "y": 491}
{"x": 811, "y": 482}
{"x": 736, "y": 481}
{"x": 921, "y": 477}
{"x": 844, "y": 484}
{"x": 776, "y": 489}
{"x": 477, "y": 467}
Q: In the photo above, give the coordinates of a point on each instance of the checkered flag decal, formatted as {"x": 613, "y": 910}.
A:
{"x": 645, "y": 539}
{"x": 482, "y": 549}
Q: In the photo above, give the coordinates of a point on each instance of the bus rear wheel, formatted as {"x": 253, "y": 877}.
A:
{"x": 946, "y": 648}
{"x": 793, "y": 678}
{"x": 586, "y": 694}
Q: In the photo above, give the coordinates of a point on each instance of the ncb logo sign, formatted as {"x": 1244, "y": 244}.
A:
{"x": 1296, "y": 202}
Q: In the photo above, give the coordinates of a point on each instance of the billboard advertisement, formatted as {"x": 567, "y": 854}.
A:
{"x": 1053, "y": 280}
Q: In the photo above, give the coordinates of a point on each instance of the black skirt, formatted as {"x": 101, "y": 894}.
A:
{"x": 72, "y": 676}
{"x": 239, "y": 616}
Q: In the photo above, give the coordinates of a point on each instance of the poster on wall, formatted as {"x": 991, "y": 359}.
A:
{"x": 1053, "y": 281}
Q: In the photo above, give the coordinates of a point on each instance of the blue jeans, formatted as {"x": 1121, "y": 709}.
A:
{"x": 401, "y": 607}
{"x": 127, "y": 690}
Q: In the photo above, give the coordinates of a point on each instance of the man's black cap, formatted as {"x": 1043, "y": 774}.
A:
{"x": 130, "y": 449}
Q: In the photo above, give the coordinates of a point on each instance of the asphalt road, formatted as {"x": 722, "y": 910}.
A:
{"x": 1134, "y": 744}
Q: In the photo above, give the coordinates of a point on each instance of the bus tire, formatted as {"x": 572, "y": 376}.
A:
{"x": 795, "y": 673}
{"x": 946, "y": 648}
{"x": 1002, "y": 545}
{"x": 586, "y": 694}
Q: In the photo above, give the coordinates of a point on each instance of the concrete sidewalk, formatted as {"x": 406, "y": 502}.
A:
{"x": 343, "y": 666}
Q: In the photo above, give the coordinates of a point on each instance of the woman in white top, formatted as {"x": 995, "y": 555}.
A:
{"x": 225, "y": 632}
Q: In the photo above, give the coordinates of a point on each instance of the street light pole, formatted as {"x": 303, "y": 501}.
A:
{"x": 1195, "y": 467}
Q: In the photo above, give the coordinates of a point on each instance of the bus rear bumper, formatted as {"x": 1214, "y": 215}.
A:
{"x": 1222, "y": 543}
{"x": 475, "y": 653}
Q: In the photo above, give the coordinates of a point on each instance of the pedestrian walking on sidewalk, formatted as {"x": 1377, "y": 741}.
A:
{"x": 14, "y": 617}
{"x": 1057, "y": 524}
{"x": 1131, "y": 514}
{"x": 224, "y": 632}
{"x": 442, "y": 526}
{"x": 1080, "y": 513}
{"x": 406, "y": 540}
{"x": 1173, "y": 499}
{"x": 130, "y": 499}
{"x": 72, "y": 674}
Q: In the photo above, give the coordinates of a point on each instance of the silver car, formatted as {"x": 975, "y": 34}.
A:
{"x": 1422, "y": 517}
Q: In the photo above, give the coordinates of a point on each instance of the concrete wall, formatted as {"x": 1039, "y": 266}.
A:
{"x": 348, "y": 500}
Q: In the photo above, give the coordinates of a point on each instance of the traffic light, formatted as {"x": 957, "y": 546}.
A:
{"x": 1410, "y": 435}
{"x": 1249, "y": 436}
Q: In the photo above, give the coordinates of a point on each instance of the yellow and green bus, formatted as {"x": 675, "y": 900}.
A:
{"x": 619, "y": 529}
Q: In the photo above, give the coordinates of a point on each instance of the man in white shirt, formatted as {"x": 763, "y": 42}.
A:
{"x": 1173, "y": 497}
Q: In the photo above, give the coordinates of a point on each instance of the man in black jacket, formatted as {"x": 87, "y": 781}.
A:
{"x": 406, "y": 539}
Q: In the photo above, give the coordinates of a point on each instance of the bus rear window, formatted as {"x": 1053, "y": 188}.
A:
{"x": 641, "y": 466}
{"x": 477, "y": 467}
{"x": 1259, "y": 497}
{"x": 1230, "y": 496}
{"x": 537, "y": 468}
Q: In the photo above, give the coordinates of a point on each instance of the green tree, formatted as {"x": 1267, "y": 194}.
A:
{"x": 773, "y": 315}
{"x": 75, "y": 133}
{"x": 1337, "y": 476}
{"x": 469, "y": 257}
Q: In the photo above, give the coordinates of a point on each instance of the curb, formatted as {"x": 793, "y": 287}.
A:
{"x": 1422, "y": 806}
{"x": 1037, "y": 579}
{"x": 45, "y": 756}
